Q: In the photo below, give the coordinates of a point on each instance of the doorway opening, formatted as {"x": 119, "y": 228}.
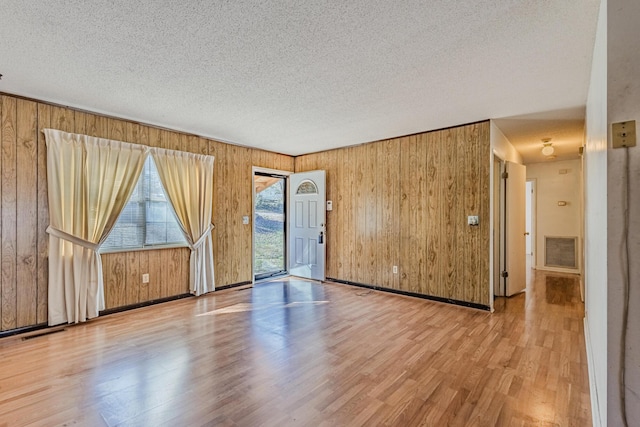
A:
{"x": 269, "y": 225}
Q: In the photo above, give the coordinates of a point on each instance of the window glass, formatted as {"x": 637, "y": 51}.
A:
{"x": 307, "y": 187}
{"x": 147, "y": 219}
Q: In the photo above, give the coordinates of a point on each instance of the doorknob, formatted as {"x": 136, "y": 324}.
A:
{"x": 526, "y": 233}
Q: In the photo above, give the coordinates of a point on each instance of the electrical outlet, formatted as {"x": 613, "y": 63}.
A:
{"x": 145, "y": 278}
{"x": 395, "y": 269}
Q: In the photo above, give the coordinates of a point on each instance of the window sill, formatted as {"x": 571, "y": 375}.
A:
{"x": 145, "y": 248}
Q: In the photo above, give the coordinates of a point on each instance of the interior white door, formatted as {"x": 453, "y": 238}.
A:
{"x": 515, "y": 228}
{"x": 307, "y": 219}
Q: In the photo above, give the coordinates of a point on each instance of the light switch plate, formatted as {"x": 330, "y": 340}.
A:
{"x": 245, "y": 219}
{"x": 473, "y": 220}
{"x": 623, "y": 134}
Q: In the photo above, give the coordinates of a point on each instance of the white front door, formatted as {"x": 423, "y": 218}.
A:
{"x": 515, "y": 228}
{"x": 307, "y": 231}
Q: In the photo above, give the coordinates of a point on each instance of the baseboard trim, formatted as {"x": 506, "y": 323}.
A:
{"x": 233, "y": 285}
{"x": 413, "y": 294}
{"x": 143, "y": 304}
{"x": 593, "y": 391}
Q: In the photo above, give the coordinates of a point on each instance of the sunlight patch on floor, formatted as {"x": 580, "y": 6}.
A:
{"x": 246, "y": 306}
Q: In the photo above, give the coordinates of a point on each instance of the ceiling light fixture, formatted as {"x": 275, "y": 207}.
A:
{"x": 547, "y": 149}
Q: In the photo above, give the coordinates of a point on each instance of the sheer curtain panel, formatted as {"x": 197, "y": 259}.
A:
{"x": 89, "y": 182}
{"x": 188, "y": 181}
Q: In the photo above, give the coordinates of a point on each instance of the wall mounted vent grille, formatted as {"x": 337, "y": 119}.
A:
{"x": 560, "y": 252}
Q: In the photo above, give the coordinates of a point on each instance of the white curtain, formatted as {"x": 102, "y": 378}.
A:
{"x": 89, "y": 180}
{"x": 188, "y": 181}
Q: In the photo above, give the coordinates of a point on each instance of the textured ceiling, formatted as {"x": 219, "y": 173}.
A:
{"x": 299, "y": 77}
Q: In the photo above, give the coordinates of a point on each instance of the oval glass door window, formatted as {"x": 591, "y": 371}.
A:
{"x": 307, "y": 187}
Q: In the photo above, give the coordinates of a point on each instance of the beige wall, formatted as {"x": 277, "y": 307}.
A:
{"x": 553, "y": 186}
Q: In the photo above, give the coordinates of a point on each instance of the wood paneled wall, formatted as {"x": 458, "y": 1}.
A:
{"x": 405, "y": 202}
{"x": 24, "y": 211}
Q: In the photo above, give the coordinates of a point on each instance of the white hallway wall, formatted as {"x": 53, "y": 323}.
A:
{"x": 614, "y": 96}
{"x": 551, "y": 219}
{"x": 595, "y": 173}
{"x": 623, "y": 103}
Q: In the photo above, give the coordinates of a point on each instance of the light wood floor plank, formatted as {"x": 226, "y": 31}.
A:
{"x": 292, "y": 352}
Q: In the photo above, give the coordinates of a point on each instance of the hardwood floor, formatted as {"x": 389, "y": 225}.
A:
{"x": 292, "y": 352}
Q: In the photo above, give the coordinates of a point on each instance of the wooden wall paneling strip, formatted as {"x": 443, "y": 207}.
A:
{"x": 164, "y": 139}
{"x": 234, "y": 222}
{"x": 2, "y": 101}
{"x": 116, "y": 130}
{"x": 9, "y": 214}
{"x": 155, "y": 137}
{"x": 421, "y": 215}
{"x": 485, "y": 201}
{"x": 97, "y": 126}
{"x": 79, "y": 122}
{"x": 334, "y": 227}
{"x": 452, "y": 165}
{"x": 246, "y": 208}
{"x": 133, "y": 277}
{"x": 44, "y": 122}
{"x": 481, "y": 267}
{"x": 166, "y": 271}
{"x": 392, "y": 207}
{"x": 234, "y": 219}
{"x": 27, "y": 208}
{"x": 404, "y": 247}
{"x": 434, "y": 190}
{"x": 143, "y": 293}
{"x": 215, "y": 234}
{"x": 472, "y": 188}
{"x": 117, "y": 283}
{"x": 154, "y": 268}
{"x": 371, "y": 208}
{"x": 338, "y": 242}
{"x": 175, "y": 142}
{"x": 416, "y": 218}
{"x": 230, "y": 219}
{"x": 331, "y": 261}
{"x": 360, "y": 216}
{"x": 183, "y": 283}
{"x": 258, "y": 159}
{"x": 219, "y": 212}
{"x": 201, "y": 146}
{"x": 384, "y": 193}
{"x": 62, "y": 119}
{"x": 350, "y": 215}
{"x": 465, "y": 256}
{"x": 285, "y": 163}
{"x": 132, "y": 133}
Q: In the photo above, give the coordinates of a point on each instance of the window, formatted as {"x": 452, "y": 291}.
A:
{"x": 147, "y": 219}
{"x": 307, "y": 187}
